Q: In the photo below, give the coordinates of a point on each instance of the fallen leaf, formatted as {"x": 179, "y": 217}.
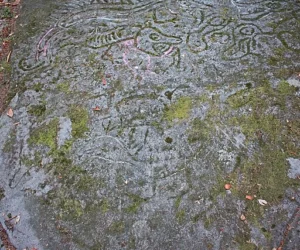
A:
{"x": 10, "y": 113}
{"x": 243, "y": 217}
{"x": 249, "y": 197}
{"x": 227, "y": 186}
{"x": 97, "y": 108}
{"x": 262, "y": 202}
{"x": 18, "y": 219}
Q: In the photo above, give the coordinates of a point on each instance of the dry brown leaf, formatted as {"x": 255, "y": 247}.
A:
{"x": 10, "y": 113}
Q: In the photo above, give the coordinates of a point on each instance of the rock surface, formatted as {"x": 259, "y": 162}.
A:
{"x": 130, "y": 116}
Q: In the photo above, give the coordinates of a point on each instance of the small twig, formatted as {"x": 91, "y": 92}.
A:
{"x": 15, "y": 3}
{"x": 9, "y": 219}
{"x": 8, "y": 56}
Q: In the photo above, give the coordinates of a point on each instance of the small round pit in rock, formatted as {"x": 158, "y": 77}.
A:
{"x": 168, "y": 140}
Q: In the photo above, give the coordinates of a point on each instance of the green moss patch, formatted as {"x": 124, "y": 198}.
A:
{"x": 79, "y": 117}
{"x": 117, "y": 227}
{"x": 70, "y": 208}
{"x": 137, "y": 202}
{"x": 37, "y": 110}
{"x": 177, "y": 202}
{"x": 105, "y": 205}
{"x": 77, "y": 186}
{"x": 45, "y": 134}
{"x": 272, "y": 136}
{"x": 285, "y": 88}
{"x": 64, "y": 87}
{"x": 180, "y": 110}
{"x": 263, "y": 176}
{"x": 199, "y": 131}
{"x": 180, "y": 216}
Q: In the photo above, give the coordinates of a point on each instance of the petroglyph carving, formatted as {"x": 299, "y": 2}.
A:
{"x": 163, "y": 29}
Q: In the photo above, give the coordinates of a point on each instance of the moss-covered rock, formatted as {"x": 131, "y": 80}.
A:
{"x": 45, "y": 134}
{"x": 180, "y": 110}
{"x": 79, "y": 118}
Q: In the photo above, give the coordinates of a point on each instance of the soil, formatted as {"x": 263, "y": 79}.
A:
{"x": 9, "y": 13}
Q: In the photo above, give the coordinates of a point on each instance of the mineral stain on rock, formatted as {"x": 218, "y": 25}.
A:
{"x": 147, "y": 168}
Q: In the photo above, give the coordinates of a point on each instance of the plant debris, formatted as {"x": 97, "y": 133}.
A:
{"x": 262, "y": 202}
{"x": 97, "y": 108}
{"x": 5, "y": 239}
{"x": 227, "y": 186}
{"x": 243, "y": 217}
{"x": 10, "y": 113}
{"x": 249, "y": 197}
{"x": 8, "y": 20}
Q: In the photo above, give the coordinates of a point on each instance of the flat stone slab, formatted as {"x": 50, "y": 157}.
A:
{"x": 130, "y": 117}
